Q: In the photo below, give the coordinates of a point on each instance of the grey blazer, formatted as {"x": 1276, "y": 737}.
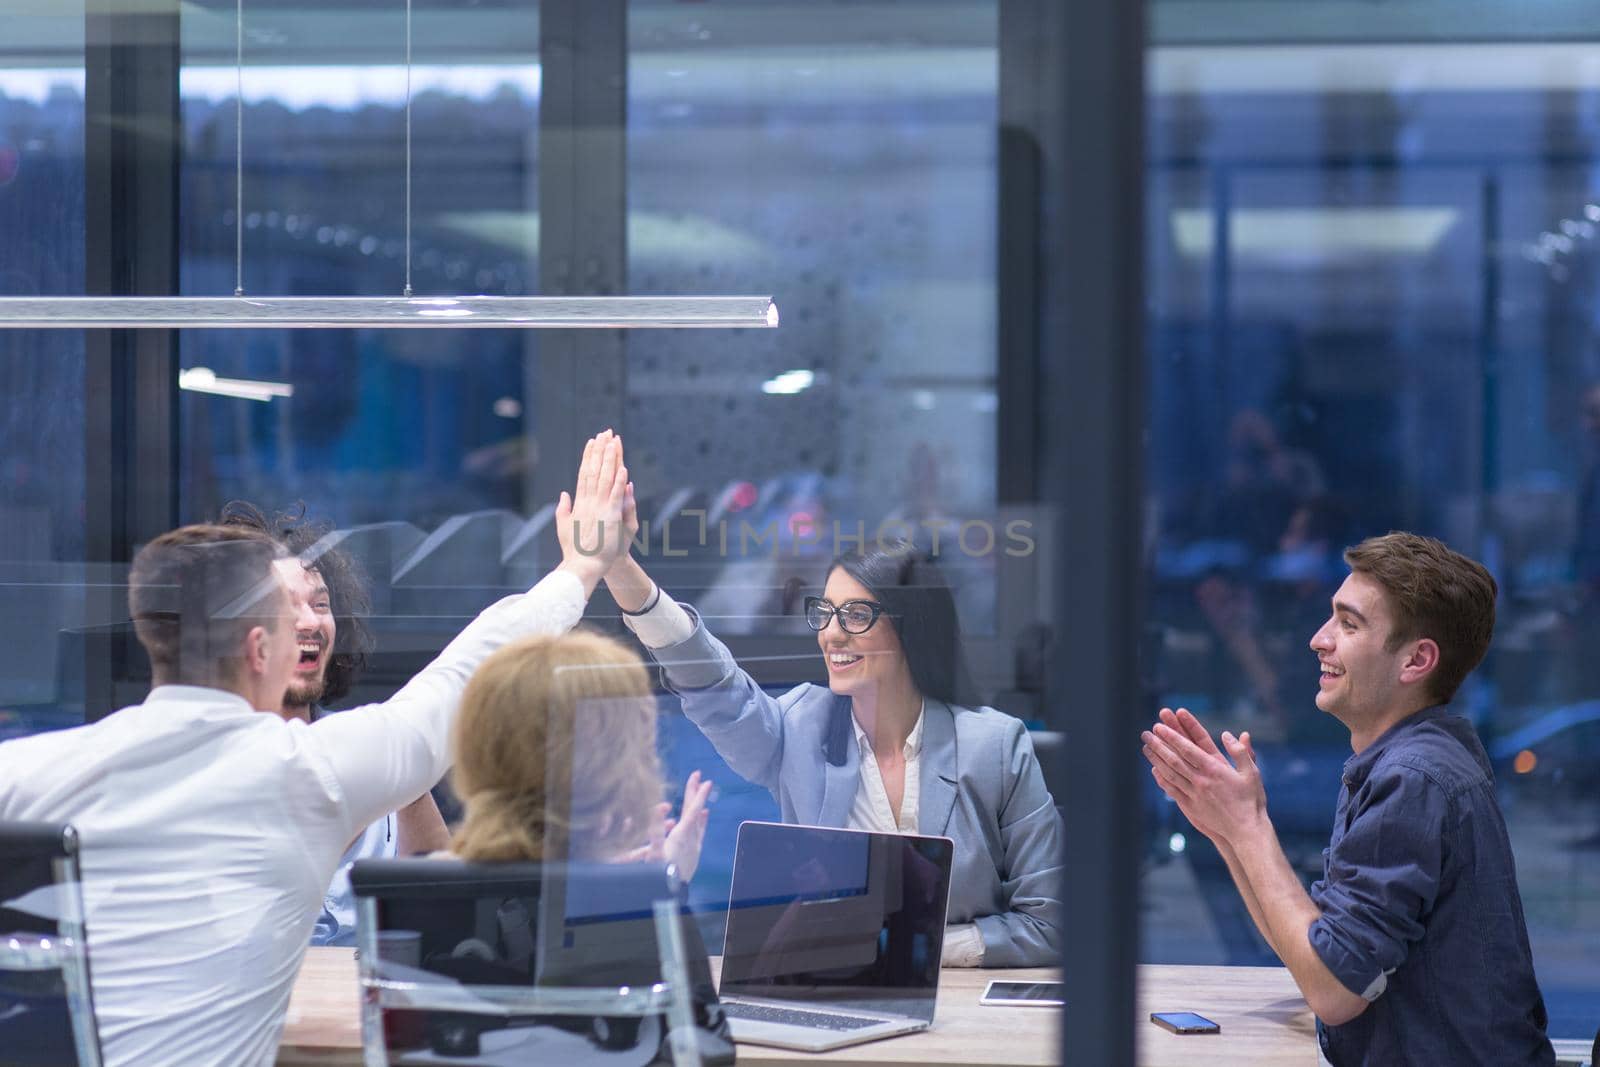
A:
{"x": 980, "y": 786}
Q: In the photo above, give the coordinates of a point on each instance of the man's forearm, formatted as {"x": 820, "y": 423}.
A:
{"x": 1242, "y": 883}
{"x": 587, "y": 570}
{"x": 1286, "y": 912}
{"x": 420, "y": 829}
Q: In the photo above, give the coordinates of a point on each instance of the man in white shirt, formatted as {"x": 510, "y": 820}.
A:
{"x": 208, "y": 830}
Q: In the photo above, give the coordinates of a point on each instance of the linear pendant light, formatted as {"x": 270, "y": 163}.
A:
{"x": 407, "y": 311}
{"x": 384, "y": 312}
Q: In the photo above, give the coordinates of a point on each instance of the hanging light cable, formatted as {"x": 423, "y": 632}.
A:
{"x": 408, "y": 151}
{"x": 238, "y": 148}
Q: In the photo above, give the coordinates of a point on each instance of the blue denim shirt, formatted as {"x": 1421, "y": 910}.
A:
{"x": 336, "y": 922}
{"x": 1420, "y": 909}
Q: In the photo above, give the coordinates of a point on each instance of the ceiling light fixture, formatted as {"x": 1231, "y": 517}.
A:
{"x": 406, "y": 311}
{"x": 789, "y": 382}
{"x": 384, "y": 312}
{"x": 205, "y": 380}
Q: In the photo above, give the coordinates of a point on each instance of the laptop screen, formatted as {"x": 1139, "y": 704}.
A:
{"x": 837, "y": 917}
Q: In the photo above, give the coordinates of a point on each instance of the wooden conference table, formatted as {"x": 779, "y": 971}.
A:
{"x": 1264, "y": 1021}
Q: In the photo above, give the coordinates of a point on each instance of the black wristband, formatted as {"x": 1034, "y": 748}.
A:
{"x": 655, "y": 598}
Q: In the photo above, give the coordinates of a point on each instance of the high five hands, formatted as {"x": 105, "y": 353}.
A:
{"x": 593, "y": 524}
{"x": 596, "y": 526}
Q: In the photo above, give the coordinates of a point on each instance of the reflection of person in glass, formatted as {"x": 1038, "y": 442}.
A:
{"x": 1269, "y": 506}
{"x": 870, "y": 939}
{"x": 1583, "y": 608}
{"x": 1586, "y": 546}
{"x": 887, "y": 745}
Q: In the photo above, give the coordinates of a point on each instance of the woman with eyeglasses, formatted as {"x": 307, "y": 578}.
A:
{"x": 889, "y": 744}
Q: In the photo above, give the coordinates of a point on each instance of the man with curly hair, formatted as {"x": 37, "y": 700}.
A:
{"x": 331, "y": 602}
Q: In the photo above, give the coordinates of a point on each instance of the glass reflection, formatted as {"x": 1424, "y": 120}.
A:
{"x": 839, "y": 917}
{"x": 1372, "y": 280}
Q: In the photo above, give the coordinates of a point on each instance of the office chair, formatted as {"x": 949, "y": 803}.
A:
{"x": 46, "y": 1010}
{"x": 509, "y": 963}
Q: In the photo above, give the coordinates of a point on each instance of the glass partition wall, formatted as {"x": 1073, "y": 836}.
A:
{"x": 42, "y": 373}
{"x": 1366, "y": 303}
{"x": 436, "y": 422}
{"x": 1372, "y": 308}
{"x": 850, "y": 165}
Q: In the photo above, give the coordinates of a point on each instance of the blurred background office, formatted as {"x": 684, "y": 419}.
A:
{"x": 1371, "y": 257}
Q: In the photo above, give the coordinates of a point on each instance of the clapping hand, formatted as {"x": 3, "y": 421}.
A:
{"x": 1219, "y": 797}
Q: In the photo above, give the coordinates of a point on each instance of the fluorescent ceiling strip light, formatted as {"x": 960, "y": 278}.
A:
{"x": 1312, "y": 234}
{"x": 205, "y": 380}
{"x": 1402, "y": 67}
{"x": 378, "y": 312}
{"x": 789, "y": 383}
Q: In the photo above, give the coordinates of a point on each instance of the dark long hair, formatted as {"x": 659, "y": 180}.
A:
{"x": 347, "y": 587}
{"x": 916, "y": 597}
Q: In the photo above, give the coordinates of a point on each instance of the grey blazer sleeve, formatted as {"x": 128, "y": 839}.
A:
{"x": 1028, "y": 932}
{"x": 741, "y": 720}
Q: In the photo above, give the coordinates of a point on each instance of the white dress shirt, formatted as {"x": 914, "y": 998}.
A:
{"x": 209, "y": 832}
{"x": 666, "y": 624}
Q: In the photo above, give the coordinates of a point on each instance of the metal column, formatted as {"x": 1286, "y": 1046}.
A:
{"x": 132, "y": 148}
{"x": 1084, "y": 66}
{"x": 575, "y": 378}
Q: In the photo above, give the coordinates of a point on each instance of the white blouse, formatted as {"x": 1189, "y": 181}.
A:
{"x": 666, "y": 624}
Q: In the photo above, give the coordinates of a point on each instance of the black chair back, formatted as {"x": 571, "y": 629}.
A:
{"x": 46, "y": 1010}
{"x": 532, "y": 962}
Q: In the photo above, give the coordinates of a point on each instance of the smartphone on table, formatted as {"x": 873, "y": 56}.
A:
{"x": 1027, "y": 994}
{"x": 1184, "y": 1022}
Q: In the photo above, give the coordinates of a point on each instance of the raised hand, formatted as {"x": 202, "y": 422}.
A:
{"x": 1169, "y": 781}
{"x": 589, "y": 523}
{"x": 630, "y": 513}
{"x": 687, "y": 833}
{"x": 677, "y": 841}
{"x": 630, "y": 586}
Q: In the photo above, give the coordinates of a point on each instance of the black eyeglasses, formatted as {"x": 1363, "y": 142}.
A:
{"x": 855, "y": 616}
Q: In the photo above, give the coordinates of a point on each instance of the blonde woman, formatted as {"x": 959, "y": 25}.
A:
{"x": 556, "y": 758}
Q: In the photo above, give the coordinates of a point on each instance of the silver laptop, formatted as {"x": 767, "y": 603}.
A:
{"x": 833, "y": 936}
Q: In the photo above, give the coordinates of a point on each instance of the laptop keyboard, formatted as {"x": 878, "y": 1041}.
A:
{"x": 815, "y": 1020}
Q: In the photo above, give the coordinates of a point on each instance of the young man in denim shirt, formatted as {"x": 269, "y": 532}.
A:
{"x": 1412, "y": 948}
